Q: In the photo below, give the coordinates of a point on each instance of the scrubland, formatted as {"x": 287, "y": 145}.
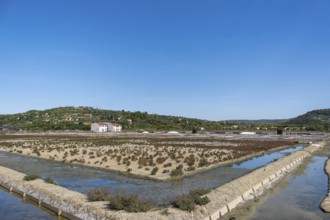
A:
{"x": 159, "y": 157}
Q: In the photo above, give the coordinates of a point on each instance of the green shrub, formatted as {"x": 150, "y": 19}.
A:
{"x": 177, "y": 171}
{"x": 30, "y": 177}
{"x": 154, "y": 171}
{"x": 129, "y": 204}
{"x": 98, "y": 195}
{"x": 186, "y": 203}
{"x": 50, "y": 180}
{"x": 202, "y": 200}
{"x": 200, "y": 192}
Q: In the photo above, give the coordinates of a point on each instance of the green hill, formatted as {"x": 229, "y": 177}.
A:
{"x": 80, "y": 118}
{"x": 318, "y": 120}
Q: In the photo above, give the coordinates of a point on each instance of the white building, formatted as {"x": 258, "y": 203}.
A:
{"x": 105, "y": 127}
{"x": 99, "y": 127}
{"x": 248, "y": 133}
{"x": 114, "y": 127}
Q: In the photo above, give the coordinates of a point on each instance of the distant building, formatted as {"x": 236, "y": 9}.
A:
{"x": 105, "y": 127}
{"x": 114, "y": 127}
{"x": 248, "y": 133}
{"x": 99, "y": 127}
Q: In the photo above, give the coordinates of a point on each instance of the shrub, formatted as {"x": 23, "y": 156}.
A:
{"x": 129, "y": 204}
{"x": 177, "y": 171}
{"x": 30, "y": 177}
{"x": 202, "y": 200}
{"x": 186, "y": 203}
{"x": 203, "y": 163}
{"x": 200, "y": 192}
{"x": 168, "y": 165}
{"x": 50, "y": 180}
{"x": 154, "y": 171}
{"x": 98, "y": 195}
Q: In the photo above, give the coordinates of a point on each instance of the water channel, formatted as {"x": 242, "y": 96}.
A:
{"x": 298, "y": 196}
{"x": 12, "y": 207}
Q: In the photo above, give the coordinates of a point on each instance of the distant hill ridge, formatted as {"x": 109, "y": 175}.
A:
{"x": 79, "y": 118}
{"x": 314, "y": 120}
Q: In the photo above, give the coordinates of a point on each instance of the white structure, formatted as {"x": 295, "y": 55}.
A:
{"x": 99, "y": 127}
{"x": 114, "y": 127}
{"x": 248, "y": 133}
{"x": 105, "y": 127}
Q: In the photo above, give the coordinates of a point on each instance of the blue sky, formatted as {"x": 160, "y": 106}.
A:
{"x": 221, "y": 59}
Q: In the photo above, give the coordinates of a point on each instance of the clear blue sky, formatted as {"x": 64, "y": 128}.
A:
{"x": 221, "y": 59}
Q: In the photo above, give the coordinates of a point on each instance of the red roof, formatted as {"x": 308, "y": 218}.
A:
{"x": 116, "y": 125}
{"x": 101, "y": 123}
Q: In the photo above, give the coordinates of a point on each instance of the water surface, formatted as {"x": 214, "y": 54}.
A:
{"x": 12, "y": 207}
{"x": 302, "y": 196}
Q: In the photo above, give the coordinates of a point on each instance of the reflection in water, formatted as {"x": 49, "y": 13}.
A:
{"x": 301, "y": 198}
{"x": 83, "y": 179}
{"x": 12, "y": 207}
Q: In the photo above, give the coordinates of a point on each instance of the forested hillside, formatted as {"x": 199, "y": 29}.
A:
{"x": 318, "y": 120}
{"x": 80, "y": 118}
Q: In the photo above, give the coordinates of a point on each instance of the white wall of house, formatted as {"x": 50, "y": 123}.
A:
{"x": 114, "y": 127}
{"x": 99, "y": 127}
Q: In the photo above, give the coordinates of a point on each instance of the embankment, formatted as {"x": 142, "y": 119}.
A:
{"x": 226, "y": 197}
{"x": 325, "y": 205}
{"x": 57, "y": 199}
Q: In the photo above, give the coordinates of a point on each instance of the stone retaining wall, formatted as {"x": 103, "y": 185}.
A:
{"x": 57, "y": 199}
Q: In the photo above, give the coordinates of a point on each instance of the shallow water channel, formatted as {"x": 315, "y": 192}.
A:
{"x": 301, "y": 197}
{"x": 297, "y": 196}
{"x": 12, "y": 207}
{"x": 83, "y": 179}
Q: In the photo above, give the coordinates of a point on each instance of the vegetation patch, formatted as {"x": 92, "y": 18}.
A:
{"x": 98, "y": 195}
{"x": 50, "y": 180}
{"x": 189, "y": 202}
{"x": 129, "y": 204}
{"x": 30, "y": 177}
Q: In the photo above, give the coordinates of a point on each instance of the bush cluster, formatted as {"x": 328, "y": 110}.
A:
{"x": 98, "y": 195}
{"x": 129, "y": 204}
{"x": 30, "y": 177}
{"x": 50, "y": 180}
{"x": 177, "y": 171}
{"x": 189, "y": 202}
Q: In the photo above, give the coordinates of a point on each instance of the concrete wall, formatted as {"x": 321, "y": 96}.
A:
{"x": 57, "y": 199}
{"x": 39, "y": 202}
